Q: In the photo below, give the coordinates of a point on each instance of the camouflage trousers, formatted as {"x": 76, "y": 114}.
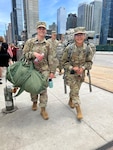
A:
{"x": 60, "y": 65}
{"x": 43, "y": 98}
{"x": 56, "y": 63}
{"x": 74, "y": 83}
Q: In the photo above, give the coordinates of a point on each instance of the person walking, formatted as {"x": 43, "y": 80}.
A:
{"x": 54, "y": 43}
{"x": 4, "y": 56}
{"x": 14, "y": 51}
{"x": 60, "y": 49}
{"x": 76, "y": 59}
{"x": 39, "y": 51}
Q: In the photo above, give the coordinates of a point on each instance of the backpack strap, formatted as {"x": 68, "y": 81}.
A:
{"x": 71, "y": 50}
{"x": 87, "y": 50}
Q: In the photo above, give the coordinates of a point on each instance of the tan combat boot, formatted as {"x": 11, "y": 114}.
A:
{"x": 34, "y": 106}
{"x": 70, "y": 103}
{"x": 79, "y": 113}
{"x": 44, "y": 114}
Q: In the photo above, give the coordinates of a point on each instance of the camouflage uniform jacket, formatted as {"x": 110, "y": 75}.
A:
{"x": 54, "y": 44}
{"x": 74, "y": 56}
{"x": 33, "y": 45}
{"x": 60, "y": 49}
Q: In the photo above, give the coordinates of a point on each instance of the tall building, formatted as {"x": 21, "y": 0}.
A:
{"x": 71, "y": 21}
{"x": 85, "y": 16}
{"x": 97, "y": 15}
{"x": 9, "y": 35}
{"x": 31, "y": 16}
{"x": 106, "y": 34}
{"x": 53, "y": 27}
{"x": 16, "y": 20}
{"x": 61, "y": 20}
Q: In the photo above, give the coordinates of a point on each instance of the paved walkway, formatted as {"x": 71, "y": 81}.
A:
{"x": 24, "y": 129}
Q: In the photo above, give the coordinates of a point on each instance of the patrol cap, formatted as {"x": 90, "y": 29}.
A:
{"x": 41, "y": 24}
{"x": 54, "y": 32}
{"x": 80, "y": 30}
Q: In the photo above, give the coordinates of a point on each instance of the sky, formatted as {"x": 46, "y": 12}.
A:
{"x": 47, "y": 10}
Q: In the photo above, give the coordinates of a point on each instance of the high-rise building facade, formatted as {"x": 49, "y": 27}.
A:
{"x": 71, "y": 21}
{"x": 53, "y": 27}
{"x": 61, "y": 20}
{"x": 16, "y": 20}
{"x": 85, "y": 16}
{"x": 106, "y": 34}
{"x": 97, "y": 15}
{"x": 9, "y": 35}
{"x": 31, "y": 16}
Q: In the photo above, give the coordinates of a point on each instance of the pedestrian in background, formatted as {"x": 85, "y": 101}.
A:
{"x": 60, "y": 50}
{"x": 76, "y": 59}
{"x": 10, "y": 50}
{"x": 40, "y": 52}
{"x": 4, "y": 56}
{"x": 54, "y": 43}
{"x": 14, "y": 51}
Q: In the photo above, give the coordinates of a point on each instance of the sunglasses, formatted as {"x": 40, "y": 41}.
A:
{"x": 42, "y": 28}
{"x": 79, "y": 34}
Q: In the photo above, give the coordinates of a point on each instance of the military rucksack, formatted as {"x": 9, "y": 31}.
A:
{"x": 88, "y": 50}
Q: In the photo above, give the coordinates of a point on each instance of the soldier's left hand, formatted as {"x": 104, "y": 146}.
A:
{"x": 80, "y": 71}
{"x": 39, "y": 56}
{"x": 51, "y": 75}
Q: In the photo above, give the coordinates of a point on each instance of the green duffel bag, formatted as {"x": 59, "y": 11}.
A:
{"x": 22, "y": 74}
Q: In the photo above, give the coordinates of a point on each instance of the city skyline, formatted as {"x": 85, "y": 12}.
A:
{"x": 48, "y": 16}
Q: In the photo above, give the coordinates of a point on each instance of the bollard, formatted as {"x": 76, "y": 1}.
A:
{"x": 8, "y": 94}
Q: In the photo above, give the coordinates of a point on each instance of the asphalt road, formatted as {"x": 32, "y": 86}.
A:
{"x": 103, "y": 59}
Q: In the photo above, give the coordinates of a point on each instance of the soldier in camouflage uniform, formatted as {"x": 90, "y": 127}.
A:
{"x": 76, "y": 59}
{"x": 60, "y": 49}
{"x": 54, "y": 43}
{"x": 40, "y": 51}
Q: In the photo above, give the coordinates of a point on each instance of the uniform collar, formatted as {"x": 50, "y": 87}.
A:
{"x": 84, "y": 46}
{"x": 37, "y": 41}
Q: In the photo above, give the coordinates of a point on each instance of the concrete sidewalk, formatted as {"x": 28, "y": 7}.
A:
{"x": 25, "y": 129}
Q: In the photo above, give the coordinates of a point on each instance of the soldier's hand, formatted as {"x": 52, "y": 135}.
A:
{"x": 80, "y": 71}
{"x": 51, "y": 75}
{"x": 75, "y": 69}
{"x": 39, "y": 56}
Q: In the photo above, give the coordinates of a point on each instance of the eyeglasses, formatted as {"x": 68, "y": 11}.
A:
{"x": 79, "y": 34}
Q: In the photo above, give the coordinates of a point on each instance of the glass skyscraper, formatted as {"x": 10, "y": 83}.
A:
{"x": 85, "y": 15}
{"x": 106, "y": 34}
{"x": 97, "y": 15}
{"x": 89, "y": 15}
{"x": 71, "y": 21}
{"x": 31, "y": 16}
{"x": 17, "y": 20}
{"x": 61, "y": 20}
